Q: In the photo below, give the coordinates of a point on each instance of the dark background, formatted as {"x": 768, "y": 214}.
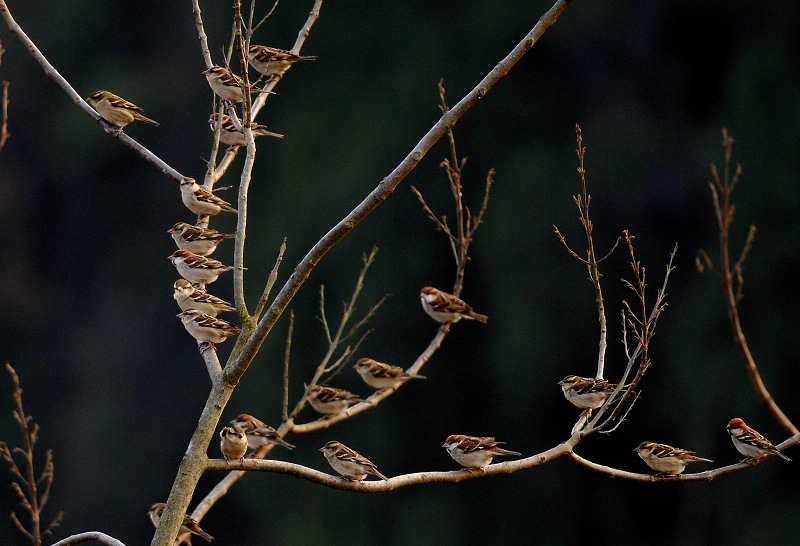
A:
{"x": 117, "y": 384}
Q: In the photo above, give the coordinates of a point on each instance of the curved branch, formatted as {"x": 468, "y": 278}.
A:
{"x": 699, "y": 477}
{"x": 377, "y": 486}
{"x": 91, "y": 535}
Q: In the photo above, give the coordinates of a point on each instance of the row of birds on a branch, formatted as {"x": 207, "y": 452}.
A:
{"x": 590, "y": 393}
{"x": 269, "y": 61}
{"x": 472, "y": 452}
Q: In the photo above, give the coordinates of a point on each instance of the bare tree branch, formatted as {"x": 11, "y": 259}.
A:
{"x": 732, "y": 278}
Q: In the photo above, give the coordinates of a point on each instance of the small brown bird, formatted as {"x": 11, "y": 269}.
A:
{"x": 666, "y": 459}
{"x": 586, "y": 392}
{"x": 474, "y": 452}
{"x": 116, "y": 110}
{"x": 189, "y": 525}
{"x": 259, "y": 433}
{"x": 190, "y": 297}
{"x": 381, "y": 376}
{"x": 330, "y": 401}
{"x": 226, "y": 84}
{"x": 230, "y": 135}
{"x": 444, "y": 307}
{"x": 270, "y": 60}
{"x": 233, "y": 443}
{"x": 201, "y": 201}
{"x": 207, "y": 329}
{"x": 750, "y": 442}
{"x": 197, "y": 240}
{"x": 348, "y": 463}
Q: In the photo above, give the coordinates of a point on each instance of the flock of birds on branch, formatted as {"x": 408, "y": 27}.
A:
{"x": 199, "y": 311}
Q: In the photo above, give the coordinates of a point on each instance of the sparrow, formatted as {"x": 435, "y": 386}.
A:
{"x": 232, "y": 136}
{"x": 382, "y": 376}
{"x": 270, "y": 60}
{"x": 258, "y": 433}
{"x": 205, "y": 328}
{"x": 201, "y": 201}
{"x": 232, "y": 443}
{"x": 445, "y": 307}
{"x": 197, "y": 240}
{"x": 197, "y": 269}
{"x": 226, "y": 84}
{"x": 189, "y": 297}
{"x": 188, "y": 525}
{"x": 666, "y": 459}
{"x": 750, "y": 443}
{"x": 348, "y": 463}
{"x": 330, "y": 401}
{"x": 116, "y": 110}
{"x": 474, "y": 452}
{"x": 586, "y": 392}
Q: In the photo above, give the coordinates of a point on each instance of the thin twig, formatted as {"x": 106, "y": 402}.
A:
{"x": 583, "y": 201}
{"x": 732, "y": 277}
{"x": 285, "y": 412}
{"x": 31, "y": 498}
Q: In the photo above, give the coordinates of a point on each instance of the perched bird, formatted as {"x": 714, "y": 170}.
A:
{"x": 197, "y": 240}
{"x": 330, "y": 401}
{"x": 189, "y": 524}
{"x": 270, "y": 60}
{"x": 205, "y": 328}
{"x": 232, "y": 443}
{"x": 259, "y": 433}
{"x": 381, "y": 376}
{"x": 189, "y": 297}
{"x": 474, "y": 452}
{"x": 348, "y": 463}
{"x": 226, "y": 84}
{"x": 116, "y": 110}
{"x": 666, "y": 459}
{"x": 445, "y": 307}
{"x": 232, "y": 136}
{"x": 750, "y": 443}
{"x": 586, "y": 392}
{"x": 197, "y": 269}
{"x": 201, "y": 201}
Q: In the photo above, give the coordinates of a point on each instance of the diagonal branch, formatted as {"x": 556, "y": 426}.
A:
{"x": 54, "y": 75}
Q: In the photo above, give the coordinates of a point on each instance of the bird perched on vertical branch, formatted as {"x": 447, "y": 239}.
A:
{"x": 270, "y": 60}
